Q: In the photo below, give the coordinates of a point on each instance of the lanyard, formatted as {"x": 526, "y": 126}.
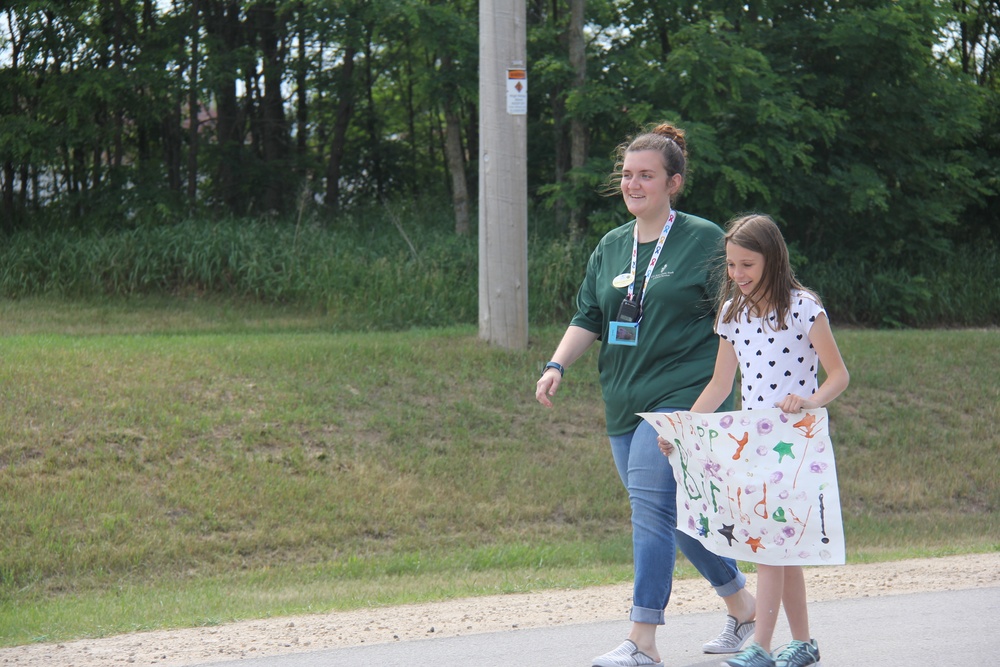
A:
{"x": 652, "y": 260}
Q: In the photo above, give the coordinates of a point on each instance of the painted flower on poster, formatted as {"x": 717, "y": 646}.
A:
{"x": 757, "y": 486}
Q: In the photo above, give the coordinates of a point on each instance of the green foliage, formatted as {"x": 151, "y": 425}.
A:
{"x": 393, "y": 267}
{"x": 841, "y": 121}
{"x": 868, "y": 129}
{"x": 961, "y": 290}
{"x": 896, "y": 177}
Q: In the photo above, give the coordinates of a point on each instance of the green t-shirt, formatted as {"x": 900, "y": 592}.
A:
{"x": 677, "y": 345}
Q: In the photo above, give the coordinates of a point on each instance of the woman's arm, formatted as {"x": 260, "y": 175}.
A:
{"x": 574, "y": 343}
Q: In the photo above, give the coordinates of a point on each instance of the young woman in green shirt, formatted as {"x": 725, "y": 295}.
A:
{"x": 648, "y": 299}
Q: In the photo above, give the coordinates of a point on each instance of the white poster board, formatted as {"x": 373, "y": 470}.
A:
{"x": 757, "y": 485}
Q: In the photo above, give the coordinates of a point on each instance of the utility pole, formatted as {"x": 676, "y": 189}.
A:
{"x": 503, "y": 178}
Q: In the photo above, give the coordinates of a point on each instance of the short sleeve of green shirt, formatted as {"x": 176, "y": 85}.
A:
{"x": 677, "y": 345}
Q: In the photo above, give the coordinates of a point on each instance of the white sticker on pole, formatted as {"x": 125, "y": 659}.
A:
{"x": 517, "y": 91}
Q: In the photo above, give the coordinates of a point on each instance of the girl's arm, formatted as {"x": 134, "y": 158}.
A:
{"x": 716, "y": 391}
{"x": 721, "y": 384}
{"x": 837, "y": 377}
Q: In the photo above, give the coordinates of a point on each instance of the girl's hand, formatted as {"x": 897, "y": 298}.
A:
{"x": 795, "y": 403}
{"x": 666, "y": 446}
{"x": 547, "y": 386}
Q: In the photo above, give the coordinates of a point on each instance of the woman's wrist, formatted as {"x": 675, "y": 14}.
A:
{"x": 557, "y": 366}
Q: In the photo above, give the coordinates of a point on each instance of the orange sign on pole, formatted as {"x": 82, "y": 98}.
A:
{"x": 517, "y": 91}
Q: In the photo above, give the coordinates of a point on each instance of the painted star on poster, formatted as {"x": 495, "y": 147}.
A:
{"x": 757, "y": 485}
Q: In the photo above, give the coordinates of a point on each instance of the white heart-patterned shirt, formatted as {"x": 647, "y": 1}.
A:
{"x": 775, "y": 362}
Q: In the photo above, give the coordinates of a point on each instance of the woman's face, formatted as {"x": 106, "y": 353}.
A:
{"x": 746, "y": 267}
{"x": 645, "y": 185}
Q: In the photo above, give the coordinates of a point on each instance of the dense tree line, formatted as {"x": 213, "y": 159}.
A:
{"x": 869, "y": 128}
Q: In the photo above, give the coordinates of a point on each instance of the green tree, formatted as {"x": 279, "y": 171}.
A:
{"x": 869, "y": 128}
{"x": 448, "y": 42}
{"x": 891, "y": 184}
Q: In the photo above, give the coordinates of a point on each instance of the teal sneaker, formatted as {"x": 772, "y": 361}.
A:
{"x": 798, "y": 654}
{"x": 753, "y": 655}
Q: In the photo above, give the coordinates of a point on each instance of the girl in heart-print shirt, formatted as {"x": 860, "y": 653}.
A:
{"x": 777, "y": 334}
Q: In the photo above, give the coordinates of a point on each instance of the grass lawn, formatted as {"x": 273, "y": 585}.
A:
{"x": 171, "y": 464}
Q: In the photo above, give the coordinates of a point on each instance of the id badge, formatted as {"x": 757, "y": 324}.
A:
{"x": 623, "y": 333}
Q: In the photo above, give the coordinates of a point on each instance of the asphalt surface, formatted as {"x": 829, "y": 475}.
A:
{"x": 944, "y": 629}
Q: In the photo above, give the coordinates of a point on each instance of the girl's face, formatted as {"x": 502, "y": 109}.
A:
{"x": 746, "y": 268}
{"x": 645, "y": 185}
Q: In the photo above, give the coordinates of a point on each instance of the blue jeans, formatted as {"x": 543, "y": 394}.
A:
{"x": 649, "y": 479}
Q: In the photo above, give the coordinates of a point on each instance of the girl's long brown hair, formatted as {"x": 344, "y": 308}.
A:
{"x": 759, "y": 233}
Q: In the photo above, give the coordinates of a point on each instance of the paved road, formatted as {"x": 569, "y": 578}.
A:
{"x": 947, "y": 629}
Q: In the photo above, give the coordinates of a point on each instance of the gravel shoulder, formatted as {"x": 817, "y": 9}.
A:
{"x": 251, "y": 639}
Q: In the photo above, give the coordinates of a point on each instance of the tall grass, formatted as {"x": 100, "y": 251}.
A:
{"x": 398, "y": 266}
{"x": 166, "y": 464}
{"x": 368, "y": 279}
{"x": 963, "y": 289}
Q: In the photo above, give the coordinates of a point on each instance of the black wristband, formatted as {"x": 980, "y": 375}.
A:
{"x": 558, "y": 367}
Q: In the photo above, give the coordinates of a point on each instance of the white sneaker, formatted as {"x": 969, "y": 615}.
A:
{"x": 626, "y": 655}
{"x": 732, "y": 638}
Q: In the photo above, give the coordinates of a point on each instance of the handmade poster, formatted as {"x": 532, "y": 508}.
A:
{"x": 757, "y": 485}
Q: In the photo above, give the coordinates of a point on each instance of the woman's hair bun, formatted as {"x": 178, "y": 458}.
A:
{"x": 671, "y": 132}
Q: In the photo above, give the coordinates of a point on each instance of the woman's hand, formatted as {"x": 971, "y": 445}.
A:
{"x": 547, "y": 386}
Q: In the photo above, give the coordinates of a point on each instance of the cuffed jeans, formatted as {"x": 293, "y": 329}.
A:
{"x": 652, "y": 491}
